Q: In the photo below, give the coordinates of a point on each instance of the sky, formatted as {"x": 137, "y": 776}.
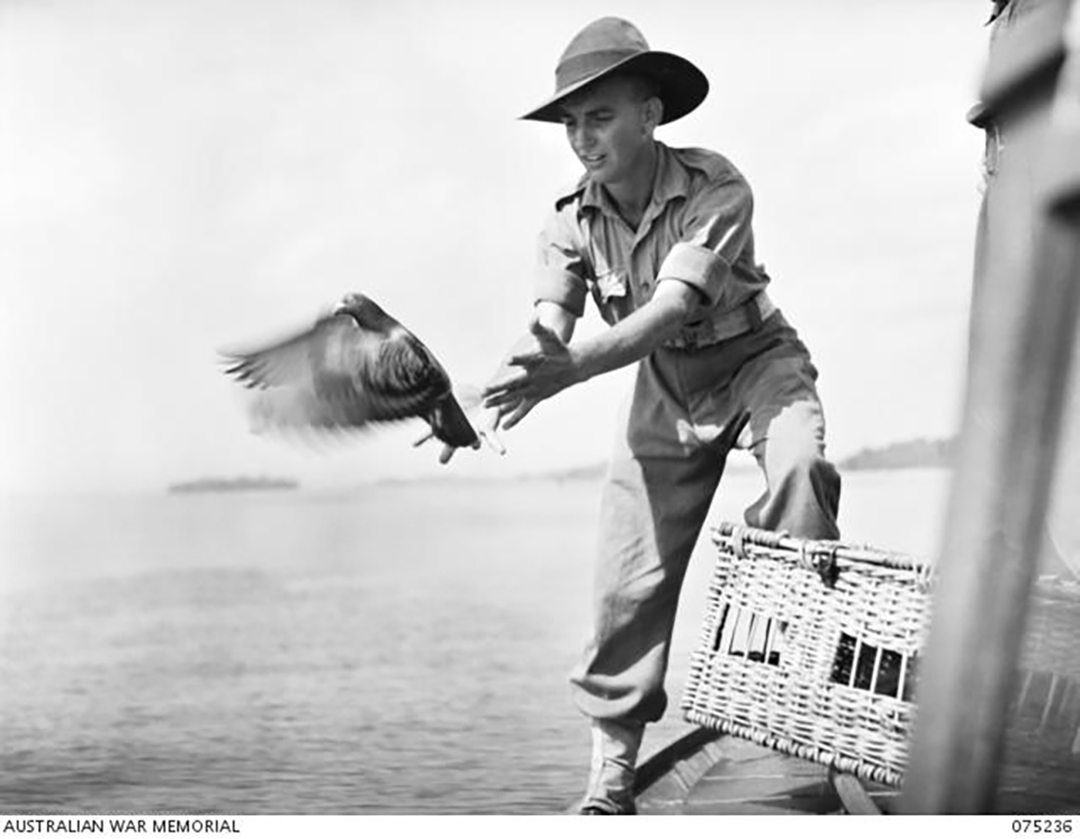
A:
{"x": 184, "y": 176}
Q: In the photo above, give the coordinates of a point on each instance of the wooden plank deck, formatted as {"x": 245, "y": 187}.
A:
{"x": 707, "y": 773}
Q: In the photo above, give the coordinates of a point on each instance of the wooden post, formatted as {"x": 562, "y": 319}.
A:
{"x": 1023, "y": 323}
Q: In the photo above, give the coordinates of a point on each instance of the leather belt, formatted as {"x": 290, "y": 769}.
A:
{"x": 749, "y": 316}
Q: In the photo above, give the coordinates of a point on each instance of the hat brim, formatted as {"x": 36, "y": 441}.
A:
{"x": 682, "y": 85}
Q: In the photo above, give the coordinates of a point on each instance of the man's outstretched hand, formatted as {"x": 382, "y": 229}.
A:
{"x": 531, "y": 375}
{"x": 538, "y": 367}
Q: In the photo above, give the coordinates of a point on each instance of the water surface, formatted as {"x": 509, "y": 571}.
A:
{"x": 395, "y": 649}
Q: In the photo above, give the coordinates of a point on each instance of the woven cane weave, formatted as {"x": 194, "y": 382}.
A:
{"x": 812, "y": 648}
{"x": 1043, "y": 733}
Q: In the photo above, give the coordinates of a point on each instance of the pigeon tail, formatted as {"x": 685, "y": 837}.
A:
{"x": 450, "y": 425}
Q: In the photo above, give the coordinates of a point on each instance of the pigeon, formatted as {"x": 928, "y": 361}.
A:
{"x": 355, "y": 367}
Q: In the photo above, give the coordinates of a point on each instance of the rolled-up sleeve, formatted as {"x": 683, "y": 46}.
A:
{"x": 716, "y": 228}
{"x": 560, "y": 268}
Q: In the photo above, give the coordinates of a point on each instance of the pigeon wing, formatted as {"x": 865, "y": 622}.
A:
{"x": 285, "y": 363}
{"x": 337, "y": 375}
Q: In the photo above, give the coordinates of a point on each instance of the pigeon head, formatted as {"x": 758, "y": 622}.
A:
{"x": 365, "y": 312}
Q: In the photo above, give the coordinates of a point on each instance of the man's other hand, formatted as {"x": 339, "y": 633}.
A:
{"x": 531, "y": 375}
{"x": 486, "y": 422}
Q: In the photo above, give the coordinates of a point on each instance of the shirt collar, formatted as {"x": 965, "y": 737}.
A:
{"x": 670, "y": 181}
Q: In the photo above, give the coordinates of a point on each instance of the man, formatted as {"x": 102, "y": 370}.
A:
{"x": 661, "y": 239}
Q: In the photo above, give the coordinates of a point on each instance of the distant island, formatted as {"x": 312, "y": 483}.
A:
{"x": 909, "y": 454}
{"x": 239, "y": 484}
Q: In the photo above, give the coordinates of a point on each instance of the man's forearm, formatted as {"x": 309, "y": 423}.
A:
{"x": 550, "y": 365}
{"x": 634, "y": 337}
{"x": 557, "y": 319}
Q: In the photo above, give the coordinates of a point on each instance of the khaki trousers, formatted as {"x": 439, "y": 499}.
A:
{"x": 688, "y": 409}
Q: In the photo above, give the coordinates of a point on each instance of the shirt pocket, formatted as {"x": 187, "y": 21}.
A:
{"x": 612, "y": 295}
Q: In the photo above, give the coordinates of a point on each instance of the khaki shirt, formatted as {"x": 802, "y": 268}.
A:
{"x": 696, "y": 229}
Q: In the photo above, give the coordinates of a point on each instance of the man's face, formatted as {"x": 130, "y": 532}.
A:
{"x": 609, "y": 127}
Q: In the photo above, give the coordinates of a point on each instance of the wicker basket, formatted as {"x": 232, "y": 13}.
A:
{"x": 1043, "y": 734}
{"x": 813, "y": 648}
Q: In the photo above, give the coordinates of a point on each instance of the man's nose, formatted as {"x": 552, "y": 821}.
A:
{"x": 581, "y": 138}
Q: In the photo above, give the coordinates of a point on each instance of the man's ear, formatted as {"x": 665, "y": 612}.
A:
{"x": 653, "y": 112}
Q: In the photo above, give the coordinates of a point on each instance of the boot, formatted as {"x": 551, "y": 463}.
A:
{"x": 611, "y": 778}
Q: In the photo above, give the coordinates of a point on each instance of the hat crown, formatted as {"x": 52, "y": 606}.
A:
{"x": 604, "y": 35}
{"x": 599, "y": 45}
